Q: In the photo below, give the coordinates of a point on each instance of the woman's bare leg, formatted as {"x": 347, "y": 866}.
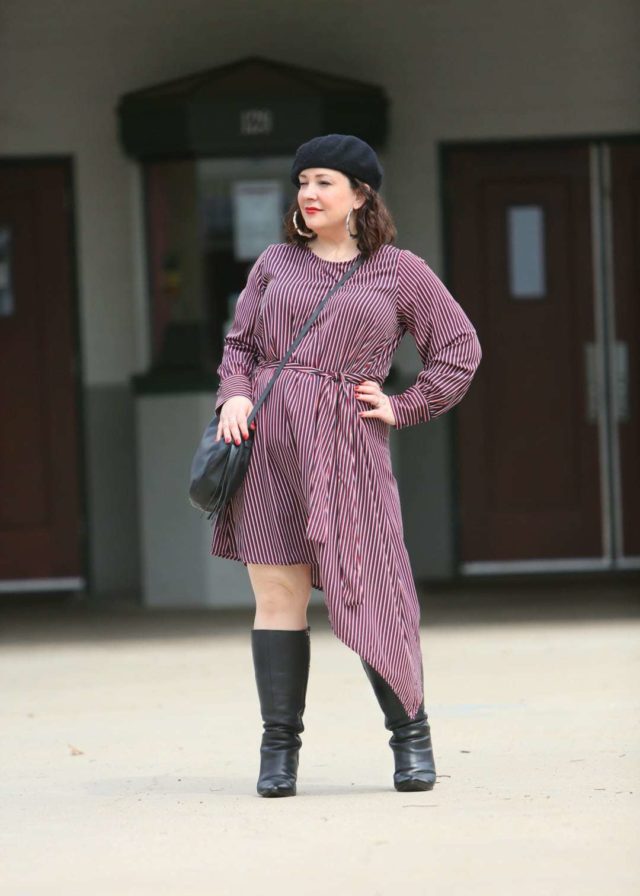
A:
{"x": 282, "y": 595}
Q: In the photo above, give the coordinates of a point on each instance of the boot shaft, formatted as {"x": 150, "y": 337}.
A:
{"x": 395, "y": 715}
{"x": 281, "y": 660}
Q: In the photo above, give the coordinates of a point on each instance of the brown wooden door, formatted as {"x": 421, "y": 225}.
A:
{"x": 625, "y": 366}
{"x": 40, "y": 505}
{"x": 519, "y": 237}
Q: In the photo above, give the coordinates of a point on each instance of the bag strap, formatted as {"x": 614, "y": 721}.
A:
{"x": 354, "y": 267}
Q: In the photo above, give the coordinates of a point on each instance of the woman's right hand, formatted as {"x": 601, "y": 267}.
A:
{"x": 233, "y": 419}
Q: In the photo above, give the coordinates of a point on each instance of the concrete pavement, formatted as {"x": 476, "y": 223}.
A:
{"x": 130, "y": 754}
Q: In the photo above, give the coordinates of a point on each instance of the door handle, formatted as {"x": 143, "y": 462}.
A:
{"x": 591, "y": 377}
{"x": 621, "y": 382}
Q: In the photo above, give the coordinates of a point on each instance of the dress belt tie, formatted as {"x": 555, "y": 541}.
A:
{"x": 334, "y": 462}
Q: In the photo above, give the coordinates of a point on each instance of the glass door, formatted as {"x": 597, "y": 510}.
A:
{"x": 207, "y": 221}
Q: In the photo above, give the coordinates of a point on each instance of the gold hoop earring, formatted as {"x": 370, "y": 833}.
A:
{"x": 307, "y": 235}
{"x": 354, "y": 236}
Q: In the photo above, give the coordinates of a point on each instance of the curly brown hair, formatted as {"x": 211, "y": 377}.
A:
{"x": 372, "y": 221}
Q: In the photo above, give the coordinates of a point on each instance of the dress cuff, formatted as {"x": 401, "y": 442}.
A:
{"x": 409, "y": 408}
{"x": 236, "y": 384}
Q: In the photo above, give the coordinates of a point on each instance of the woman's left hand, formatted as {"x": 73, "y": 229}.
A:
{"x": 370, "y": 391}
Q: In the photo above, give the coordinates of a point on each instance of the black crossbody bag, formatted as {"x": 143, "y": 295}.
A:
{"x": 218, "y": 467}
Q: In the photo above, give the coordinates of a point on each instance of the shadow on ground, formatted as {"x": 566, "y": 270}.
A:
{"x": 76, "y": 617}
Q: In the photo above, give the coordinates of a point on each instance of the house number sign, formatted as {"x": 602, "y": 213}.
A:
{"x": 256, "y": 121}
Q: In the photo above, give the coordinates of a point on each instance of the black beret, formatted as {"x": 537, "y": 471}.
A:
{"x": 342, "y": 152}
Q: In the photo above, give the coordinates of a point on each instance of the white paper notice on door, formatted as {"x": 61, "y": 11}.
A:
{"x": 257, "y": 217}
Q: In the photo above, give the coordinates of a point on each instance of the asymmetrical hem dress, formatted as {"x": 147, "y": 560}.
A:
{"x": 320, "y": 488}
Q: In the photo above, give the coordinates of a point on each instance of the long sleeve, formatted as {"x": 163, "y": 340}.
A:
{"x": 445, "y": 338}
{"x": 239, "y": 353}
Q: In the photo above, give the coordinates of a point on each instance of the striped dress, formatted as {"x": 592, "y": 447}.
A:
{"x": 320, "y": 487}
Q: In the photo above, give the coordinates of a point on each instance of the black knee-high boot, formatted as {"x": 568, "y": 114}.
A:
{"x": 411, "y": 738}
{"x": 281, "y": 661}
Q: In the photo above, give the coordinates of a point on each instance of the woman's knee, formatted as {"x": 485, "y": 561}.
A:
{"x": 279, "y": 589}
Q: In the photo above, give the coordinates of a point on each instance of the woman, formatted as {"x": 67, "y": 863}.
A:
{"x": 319, "y": 504}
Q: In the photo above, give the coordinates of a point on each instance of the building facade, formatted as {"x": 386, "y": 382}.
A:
{"x": 511, "y": 159}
